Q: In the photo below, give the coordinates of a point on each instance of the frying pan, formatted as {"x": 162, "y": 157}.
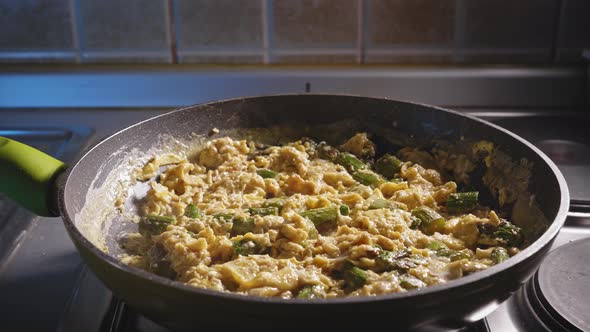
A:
{"x": 77, "y": 193}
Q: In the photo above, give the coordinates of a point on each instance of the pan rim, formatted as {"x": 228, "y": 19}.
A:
{"x": 545, "y": 239}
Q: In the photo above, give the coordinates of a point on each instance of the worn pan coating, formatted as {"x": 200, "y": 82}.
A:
{"x": 187, "y": 308}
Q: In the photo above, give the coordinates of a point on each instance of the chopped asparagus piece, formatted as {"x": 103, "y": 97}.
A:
{"x": 453, "y": 255}
{"x": 386, "y": 260}
{"x": 443, "y": 251}
{"x": 401, "y": 260}
{"x": 388, "y": 166}
{"x": 354, "y": 277}
{"x": 344, "y": 209}
{"x": 242, "y": 226}
{"x": 486, "y": 236}
{"x": 312, "y": 231}
{"x": 462, "y": 202}
{"x": 499, "y": 255}
{"x": 415, "y": 222}
{"x": 266, "y": 173}
{"x": 327, "y": 152}
{"x": 410, "y": 282}
{"x": 430, "y": 220}
{"x": 192, "y": 211}
{"x": 368, "y": 178}
{"x": 322, "y": 215}
{"x": 510, "y": 233}
{"x": 153, "y": 224}
{"x": 248, "y": 247}
{"x": 309, "y": 292}
{"x": 350, "y": 162}
{"x": 435, "y": 245}
{"x": 462, "y": 254}
{"x": 264, "y": 211}
{"x": 225, "y": 217}
{"x": 426, "y": 214}
{"x": 486, "y": 229}
{"x": 437, "y": 225}
{"x": 506, "y": 234}
{"x": 411, "y": 262}
{"x": 274, "y": 202}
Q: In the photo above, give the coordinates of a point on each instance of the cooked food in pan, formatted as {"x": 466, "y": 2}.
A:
{"x": 308, "y": 220}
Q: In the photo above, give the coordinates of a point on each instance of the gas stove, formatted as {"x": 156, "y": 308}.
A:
{"x": 46, "y": 286}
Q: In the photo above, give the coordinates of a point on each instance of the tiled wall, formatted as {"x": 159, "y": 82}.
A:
{"x": 294, "y": 31}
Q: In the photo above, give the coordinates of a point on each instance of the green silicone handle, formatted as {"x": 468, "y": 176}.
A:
{"x": 28, "y": 175}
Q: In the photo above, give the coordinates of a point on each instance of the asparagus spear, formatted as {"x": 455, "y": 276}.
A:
{"x": 505, "y": 234}
{"x": 192, "y": 211}
{"x": 354, "y": 277}
{"x": 499, "y": 255}
{"x": 415, "y": 222}
{"x": 435, "y": 245}
{"x": 350, "y": 162}
{"x": 153, "y": 224}
{"x": 264, "y": 211}
{"x": 388, "y": 166}
{"x": 510, "y": 233}
{"x": 401, "y": 260}
{"x": 430, "y": 220}
{"x": 327, "y": 152}
{"x": 462, "y": 202}
{"x": 248, "y": 247}
{"x": 386, "y": 260}
{"x": 266, "y": 173}
{"x": 410, "y": 282}
{"x": 368, "y": 178}
{"x": 242, "y": 226}
{"x": 443, "y": 251}
{"x": 322, "y": 215}
{"x": 311, "y": 292}
{"x": 224, "y": 217}
{"x": 274, "y": 202}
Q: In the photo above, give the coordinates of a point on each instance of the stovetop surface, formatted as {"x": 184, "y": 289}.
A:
{"x": 39, "y": 262}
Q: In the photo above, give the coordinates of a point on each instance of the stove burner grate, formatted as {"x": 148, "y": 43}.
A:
{"x": 557, "y": 297}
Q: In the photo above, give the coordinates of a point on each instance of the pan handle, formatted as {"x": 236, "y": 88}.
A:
{"x": 28, "y": 176}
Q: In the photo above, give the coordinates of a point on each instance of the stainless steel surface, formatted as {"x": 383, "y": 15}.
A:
{"x": 507, "y": 318}
{"x": 109, "y": 86}
{"x": 40, "y": 270}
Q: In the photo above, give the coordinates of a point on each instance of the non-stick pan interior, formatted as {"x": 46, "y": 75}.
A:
{"x": 95, "y": 182}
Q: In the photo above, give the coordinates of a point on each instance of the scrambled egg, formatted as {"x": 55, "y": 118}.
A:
{"x": 308, "y": 220}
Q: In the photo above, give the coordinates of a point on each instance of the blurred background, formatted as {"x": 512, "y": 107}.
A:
{"x": 75, "y": 71}
{"x": 294, "y": 31}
